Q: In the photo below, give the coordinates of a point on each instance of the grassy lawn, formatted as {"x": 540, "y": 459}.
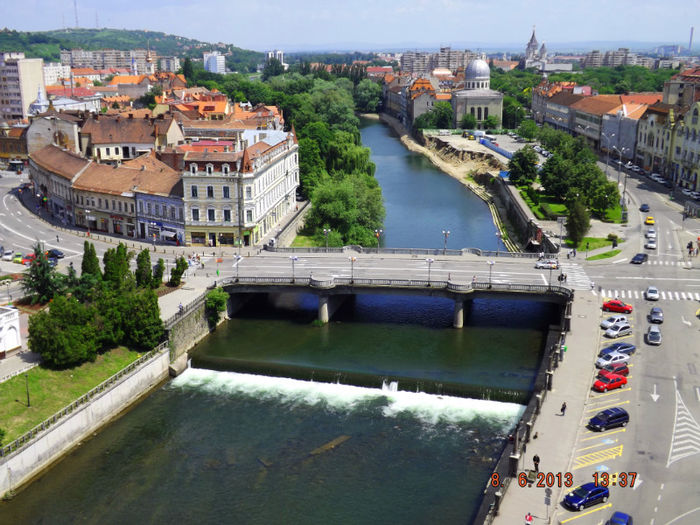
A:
{"x": 604, "y": 255}
{"x": 613, "y": 214}
{"x": 51, "y": 390}
{"x": 303, "y": 241}
{"x": 593, "y": 243}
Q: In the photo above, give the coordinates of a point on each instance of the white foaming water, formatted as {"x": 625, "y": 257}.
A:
{"x": 428, "y": 408}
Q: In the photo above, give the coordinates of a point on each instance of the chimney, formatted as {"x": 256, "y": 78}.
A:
{"x": 131, "y": 116}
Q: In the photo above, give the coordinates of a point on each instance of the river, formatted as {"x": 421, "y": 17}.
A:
{"x": 228, "y": 447}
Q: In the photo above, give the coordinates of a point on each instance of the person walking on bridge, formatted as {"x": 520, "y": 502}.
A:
{"x": 536, "y": 462}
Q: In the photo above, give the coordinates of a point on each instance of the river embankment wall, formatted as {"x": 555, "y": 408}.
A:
{"x": 47, "y": 443}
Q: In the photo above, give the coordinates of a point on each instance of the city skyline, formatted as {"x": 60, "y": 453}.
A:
{"x": 376, "y": 25}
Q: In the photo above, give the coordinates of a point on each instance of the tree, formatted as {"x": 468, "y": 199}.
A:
{"x": 143, "y": 326}
{"x": 158, "y": 272}
{"x": 2, "y": 436}
{"x": 578, "y": 222}
{"x": 91, "y": 263}
{"x": 215, "y": 303}
{"x": 513, "y": 112}
{"x": 177, "y": 271}
{"x": 116, "y": 265}
{"x": 144, "y": 271}
{"x": 368, "y": 96}
{"x": 523, "y": 166}
{"x": 273, "y": 67}
{"x": 468, "y": 121}
{"x": 527, "y": 129}
{"x": 491, "y": 122}
{"x": 41, "y": 280}
{"x": 188, "y": 70}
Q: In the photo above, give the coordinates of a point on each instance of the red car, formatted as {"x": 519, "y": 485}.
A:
{"x": 620, "y": 369}
{"x": 27, "y": 259}
{"x": 615, "y": 305}
{"x": 609, "y": 382}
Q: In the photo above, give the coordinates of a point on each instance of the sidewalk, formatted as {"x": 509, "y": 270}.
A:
{"x": 556, "y": 434}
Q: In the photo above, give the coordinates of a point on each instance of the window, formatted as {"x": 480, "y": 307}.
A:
{"x": 227, "y": 215}
{"x": 99, "y": 202}
{"x": 193, "y": 169}
{"x": 120, "y": 205}
{"x": 225, "y": 169}
{"x": 210, "y": 169}
{"x": 695, "y": 116}
{"x": 148, "y": 208}
{"x": 248, "y": 192}
{"x": 114, "y": 205}
{"x": 210, "y": 192}
{"x": 194, "y": 192}
{"x": 132, "y": 207}
{"x": 140, "y": 206}
{"x": 227, "y": 194}
{"x": 249, "y": 215}
{"x": 157, "y": 207}
{"x": 172, "y": 212}
{"x": 195, "y": 214}
{"x": 179, "y": 213}
{"x": 107, "y": 151}
{"x": 211, "y": 215}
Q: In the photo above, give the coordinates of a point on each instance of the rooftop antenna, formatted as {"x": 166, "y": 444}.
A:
{"x": 75, "y": 8}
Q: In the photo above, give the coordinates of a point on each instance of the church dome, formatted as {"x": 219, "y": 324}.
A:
{"x": 477, "y": 70}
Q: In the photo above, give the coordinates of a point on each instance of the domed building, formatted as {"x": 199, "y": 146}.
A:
{"x": 477, "y": 98}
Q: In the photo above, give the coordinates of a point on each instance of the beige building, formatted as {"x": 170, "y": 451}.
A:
{"x": 477, "y": 98}
{"x": 54, "y": 127}
{"x": 685, "y": 149}
{"x": 20, "y": 80}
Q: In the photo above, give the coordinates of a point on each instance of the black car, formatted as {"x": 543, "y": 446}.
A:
{"x": 609, "y": 418}
{"x": 644, "y": 207}
{"x": 640, "y": 258}
{"x": 656, "y": 315}
{"x": 53, "y": 253}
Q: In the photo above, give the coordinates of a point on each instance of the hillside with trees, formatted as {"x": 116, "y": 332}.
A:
{"x": 48, "y": 44}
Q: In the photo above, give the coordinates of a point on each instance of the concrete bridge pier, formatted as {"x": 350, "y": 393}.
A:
{"x": 328, "y": 305}
{"x": 458, "y": 321}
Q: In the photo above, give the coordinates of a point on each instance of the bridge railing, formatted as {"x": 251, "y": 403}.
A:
{"x": 401, "y": 251}
{"x": 331, "y": 282}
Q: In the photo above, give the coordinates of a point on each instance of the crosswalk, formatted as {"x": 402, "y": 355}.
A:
{"x": 686, "y": 433}
{"x": 576, "y": 277}
{"x": 639, "y": 294}
{"x": 654, "y": 262}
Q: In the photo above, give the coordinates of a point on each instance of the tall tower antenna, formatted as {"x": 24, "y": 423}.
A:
{"x": 75, "y": 8}
{"x": 690, "y": 43}
{"x": 97, "y": 20}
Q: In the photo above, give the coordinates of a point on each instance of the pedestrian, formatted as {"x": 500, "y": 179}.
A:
{"x": 568, "y": 255}
{"x": 592, "y": 285}
{"x": 536, "y": 462}
{"x": 474, "y": 279}
{"x": 57, "y": 240}
{"x": 528, "y": 519}
{"x": 563, "y": 408}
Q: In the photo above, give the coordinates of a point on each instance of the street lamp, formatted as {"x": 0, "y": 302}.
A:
{"x": 294, "y": 259}
{"x": 499, "y": 235}
{"x": 378, "y": 234}
{"x": 491, "y": 263}
{"x": 352, "y": 269}
{"x": 561, "y": 221}
{"x": 87, "y": 221}
{"x": 607, "y": 157}
{"x": 430, "y": 261}
{"x": 26, "y": 381}
{"x": 619, "y": 163}
{"x": 445, "y": 234}
{"x": 237, "y": 264}
{"x": 326, "y": 231}
{"x": 550, "y": 276}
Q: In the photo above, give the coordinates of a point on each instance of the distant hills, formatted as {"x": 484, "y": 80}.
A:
{"x": 48, "y": 44}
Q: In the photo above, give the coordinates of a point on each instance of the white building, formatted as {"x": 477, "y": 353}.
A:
{"x": 169, "y": 64}
{"x": 54, "y": 72}
{"x": 214, "y": 62}
{"x": 20, "y": 80}
{"x": 10, "y": 337}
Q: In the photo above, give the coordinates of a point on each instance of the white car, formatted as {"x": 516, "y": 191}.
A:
{"x": 650, "y": 244}
{"x": 607, "y": 323}
{"x": 686, "y": 192}
{"x": 611, "y": 358}
{"x": 8, "y": 255}
{"x": 547, "y": 264}
{"x": 651, "y": 293}
{"x": 650, "y": 234}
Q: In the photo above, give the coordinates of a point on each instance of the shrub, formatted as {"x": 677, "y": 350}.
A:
{"x": 547, "y": 212}
{"x": 215, "y": 304}
{"x": 533, "y": 194}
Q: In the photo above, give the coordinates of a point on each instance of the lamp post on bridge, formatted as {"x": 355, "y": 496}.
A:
{"x": 378, "y": 234}
{"x": 326, "y": 231}
{"x": 445, "y": 234}
{"x": 499, "y": 236}
{"x": 294, "y": 259}
{"x": 352, "y": 269}
{"x": 491, "y": 263}
{"x": 430, "y": 261}
{"x": 238, "y": 265}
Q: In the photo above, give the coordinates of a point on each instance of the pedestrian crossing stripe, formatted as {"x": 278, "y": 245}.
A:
{"x": 670, "y": 263}
{"x": 628, "y": 294}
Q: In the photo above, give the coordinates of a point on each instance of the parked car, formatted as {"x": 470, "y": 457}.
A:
{"x": 650, "y": 233}
{"x": 614, "y": 319}
{"x": 620, "y": 369}
{"x": 547, "y": 264}
{"x": 649, "y": 220}
{"x": 644, "y": 208}
{"x": 650, "y": 244}
{"x": 8, "y": 255}
{"x": 654, "y": 335}
{"x": 609, "y": 418}
{"x": 622, "y": 347}
{"x": 53, "y": 262}
{"x": 27, "y": 259}
{"x": 686, "y": 192}
{"x": 610, "y": 382}
{"x": 615, "y": 305}
{"x": 619, "y": 518}
{"x": 586, "y": 495}
{"x": 611, "y": 358}
{"x": 53, "y": 252}
{"x": 651, "y": 293}
{"x": 639, "y": 258}
{"x": 618, "y": 330}
{"x": 656, "y": 315}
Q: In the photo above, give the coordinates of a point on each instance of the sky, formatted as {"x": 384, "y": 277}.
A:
{"x": 373, "y": 24}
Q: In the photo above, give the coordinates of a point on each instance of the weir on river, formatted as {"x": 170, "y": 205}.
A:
{"x": 221, "y": 446}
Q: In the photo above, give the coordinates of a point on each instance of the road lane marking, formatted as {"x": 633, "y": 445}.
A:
{"x": 609, "y": 405}
{"x": 598, "y": 435}
{"x": 663, "y": 295}
{"x": 677, "y": 297}
{"x": 602, "y": 444}
{"x": 597, "y": 509}
{"x": 597, "y": 457}
{"x": 685, "y": 439}
{"x": 619, "y": 261}
{"x": 614, "y": 392}
{"x": 636, "y": 295}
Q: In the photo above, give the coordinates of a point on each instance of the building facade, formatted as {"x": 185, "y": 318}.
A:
{"x": 20, "y": 80}
{"x": 477, "y": 99}
{"x": 214, "y": 62}
{"x": 55, "y": 72}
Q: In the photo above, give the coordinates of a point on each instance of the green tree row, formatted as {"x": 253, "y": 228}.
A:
{"x": 620, "y": 79}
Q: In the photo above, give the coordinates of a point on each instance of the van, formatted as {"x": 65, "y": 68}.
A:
{"x": 618, "y": 330}
{"x": 8, "y": 255}
{"x": 609, "y": 418}
{"x": 490, "y": 137}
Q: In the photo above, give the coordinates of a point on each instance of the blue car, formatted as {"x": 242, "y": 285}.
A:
{"x": 623, "y": 348}
{"x": 620, "y": 518}
{"x": 586, "y": 495}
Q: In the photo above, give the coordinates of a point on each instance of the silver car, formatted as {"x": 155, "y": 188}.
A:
{"x": 650, "y": 244}
{"x": 656, "y": 315}
{"x": 654, "y": 335}
{"x": 651, "y": 233}
{"x": 651, "y": 293}
{"x": 614, "y": 319}
{"x": 611, "y": 358}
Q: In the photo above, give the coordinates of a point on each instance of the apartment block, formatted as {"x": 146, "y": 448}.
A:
{"x": 20, "y": 80}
